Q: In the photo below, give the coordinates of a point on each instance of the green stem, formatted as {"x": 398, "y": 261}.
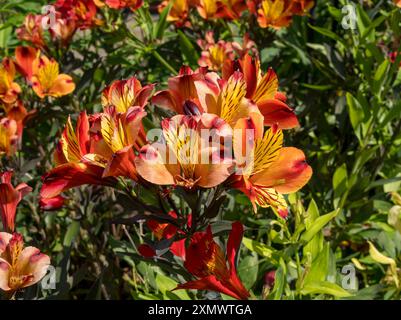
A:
{"x": 164, "y": 62}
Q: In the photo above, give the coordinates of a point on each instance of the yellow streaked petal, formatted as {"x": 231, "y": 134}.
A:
{"x": 266, "y": 152}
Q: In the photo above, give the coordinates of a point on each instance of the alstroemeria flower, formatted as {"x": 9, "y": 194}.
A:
{"x": 181, "y": 160}
{"x": 63, "y": 30}
{"x": 397, "y": 2}
{"x": 47, "y": 80}
{"x": 8, "y": 136}
{"x": 76, "y": 160}
{"x": 9, "y": 199}
{"x": 279, "y": 13}
{"x": 9, "y": 89}
{"x": 123, "y": 94}
{"x": 12, "y": 126}
{"x": 195, "y": 93}
{"x": 178, "y": 13}
{"x": 122, "y": 133}
{"x": 213, "y": 269}
{"x": 263, "y": 91}
{"x": 51, "y": 203}
{"x": 267, "y": 169}
{"x": 24, "y": 58}
{"x": 20, "y": 266}
{"x": 168, "y": 230}
{"x": 225, "y": 9}
{"x": 83, "y": 12}
{"x": 180, "y": 89}
{"x": 214, "y": 54}
{"x": 120, "y": 4}
{"x": 32, "y": 31}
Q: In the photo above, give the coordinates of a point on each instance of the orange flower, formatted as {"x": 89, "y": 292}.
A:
{"x": 178, "y": 13}
{"x": 226, "y": 9}
{"x": 179, "y": 160}
{"x": 215, "y": 270}
{"x": 278, "y": 13}
{"x": 32, "y": 31}
{"x": 168, "y": 231}
{"x": 123, "y": 94}
{"x": 195, "y": 93}
{"x": 47, "y": 80}
{"x": 397, "y": 3}
{"x": 16, "y": 112}
{"x": 214, "y": 54}
{"x": 119, "y": 4}
{"x": 25, "y": 57}
{"x": 83, "y": 12}
{"x": 9, "y": 89}
{"x": 20, "y": 267}
{"x": 121, "y": 133}
{"x": 77, "y": 164}
{"x": 267, "y": 169}
{"x": 52, "y": 203}
{"x": 8, "y": 136}
{"x": 63, "y": 30}
{"x": 9, "y": 199}
{"x": 180, "y": 89}
{"x": 263, "y": 91}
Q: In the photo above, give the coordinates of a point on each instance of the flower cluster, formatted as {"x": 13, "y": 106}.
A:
{"x": 64, "y": 17}
{"x": 20, "y": 266}
{"x": 269, "y": 13}
{"x": 226, "y": 133}
{"x": 43, "y": 75}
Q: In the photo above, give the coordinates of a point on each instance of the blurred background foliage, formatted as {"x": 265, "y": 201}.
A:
{"x": 346, "y": 92}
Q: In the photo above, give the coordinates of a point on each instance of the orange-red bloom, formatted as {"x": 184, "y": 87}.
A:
{"x": 263, "y": 91}
{"x": 47, "y": 80}
{"x": 63, "y": 30}
{"x": 76, "y": 161}
{"x": 214, "y": 54}
{"x": 226, "y": 9}
{"x": 51, "y": 203}
{"x": 178, "y": 13}
{"x": 8, "y": 136}
{"x": 179, "y": 161}
{"x": 268, "y": 170}
{"x": 32, "y": 31}
{"x": 123, "y": 94}
{"x": 120, "y": 4}
{"x": 83, "y": 12}
{"x": 20, "y": 267}
{"x": 9, "y": 89}
{"x": 24, "y": 58}
{"x": 215, "y": 270}
{"x": 278, "y": 13}
{"x": 9, "y": 199}
{"x": 168, "y": 230}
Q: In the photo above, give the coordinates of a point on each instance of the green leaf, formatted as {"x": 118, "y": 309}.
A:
{"x": 162, "y": 24}
{"x": 280, "y": 280}
{"x": 324, "y": 287}
{"x": 248, "y": 270}
{"x": 257, "y": 247}
{"x": 327, "y": 33}
{"x": 355, "y": 110}
{"x": 4, "y": 36}
{"x": 340, "y": 181}
{"x": 318, "y": 224}
{"x": 319, "y": 268}
{"x": 166, "y": 284}
{"x": 71, "y": 233}
{"x": 380, "y": 76}
{"x": 188, "y": 50}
